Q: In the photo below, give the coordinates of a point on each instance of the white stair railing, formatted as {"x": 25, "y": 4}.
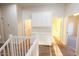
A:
{"x": 6, "y": 47}
{"x": 14, "y": 46}
{"x": 17, "y": 46}
{"x": 34, "y": 49}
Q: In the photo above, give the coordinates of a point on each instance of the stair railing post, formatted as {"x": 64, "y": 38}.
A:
{"x": 11, "y": 45}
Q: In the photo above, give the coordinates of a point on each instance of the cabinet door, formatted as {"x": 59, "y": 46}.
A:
{"x": 42, "y": 19}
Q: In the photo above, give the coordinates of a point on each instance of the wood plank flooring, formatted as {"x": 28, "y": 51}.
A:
{"x": 67, "y": 51}
{"x": 45, "y": 51}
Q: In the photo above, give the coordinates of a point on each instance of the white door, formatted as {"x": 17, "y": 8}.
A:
{"x": 1, "y": 29}
{"x": 0, "y": 26}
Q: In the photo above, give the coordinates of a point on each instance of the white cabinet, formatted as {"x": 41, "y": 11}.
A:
{"x": 42, "y": 19}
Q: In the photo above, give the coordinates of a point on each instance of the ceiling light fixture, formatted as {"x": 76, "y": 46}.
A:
{"x": 76, "y": 14}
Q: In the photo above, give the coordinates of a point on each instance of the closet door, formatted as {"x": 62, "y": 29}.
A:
{"x": 1, "y": 29}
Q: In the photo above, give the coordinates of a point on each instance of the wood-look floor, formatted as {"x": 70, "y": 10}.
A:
{"x": 67, "y": 51}
{"x": 45, "y": 51}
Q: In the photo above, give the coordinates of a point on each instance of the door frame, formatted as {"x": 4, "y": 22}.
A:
{"x": 76, "y": 49}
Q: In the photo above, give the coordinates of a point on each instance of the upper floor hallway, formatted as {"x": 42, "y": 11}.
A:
{"x": 54, "y": 25}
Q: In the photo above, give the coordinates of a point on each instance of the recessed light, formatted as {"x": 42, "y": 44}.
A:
{"x": 76, "y": 14}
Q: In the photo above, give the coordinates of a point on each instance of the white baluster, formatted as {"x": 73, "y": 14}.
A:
{"x": 22, "y": 48}
{"x": 14, "y": 47}
{"x": 25, "y": 45}
{"x": 17, "y": 46}
{"x": 11, "y": 45}
{"x": 8, "y": 49}
{"x": 4, "y": 52}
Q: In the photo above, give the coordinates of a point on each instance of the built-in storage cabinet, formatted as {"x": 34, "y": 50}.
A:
{"x": 41, "y": 19}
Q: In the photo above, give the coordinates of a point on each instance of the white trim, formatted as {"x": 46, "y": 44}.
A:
{"x": 61, "y": 32}
{"x": 5, "y": 43}
{"x": 66, "y": 28}
{"x": 35, "y": 45}
{"x": 67, "y": 34}
{"x": 57, "y": 50}
{"x": 77, "y": 41}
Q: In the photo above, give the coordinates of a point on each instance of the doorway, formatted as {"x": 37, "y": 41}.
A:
{"x": 72, "y": 29}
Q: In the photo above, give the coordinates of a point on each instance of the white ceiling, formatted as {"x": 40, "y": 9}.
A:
{"x": 38, "y": 4}
{"x": 34, "y": 4}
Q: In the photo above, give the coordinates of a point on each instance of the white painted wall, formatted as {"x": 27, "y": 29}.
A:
{"x": 12, "y": 12}
{"x": 0, "y": 24}
{"x": 56, "y": 9}
{"x": 9, "y": 15}
{"x": 38, "y": 16}
{"x": 37, "y": 13}
{"x": 20, "y": 21}
{"x": 71, "y": 8}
